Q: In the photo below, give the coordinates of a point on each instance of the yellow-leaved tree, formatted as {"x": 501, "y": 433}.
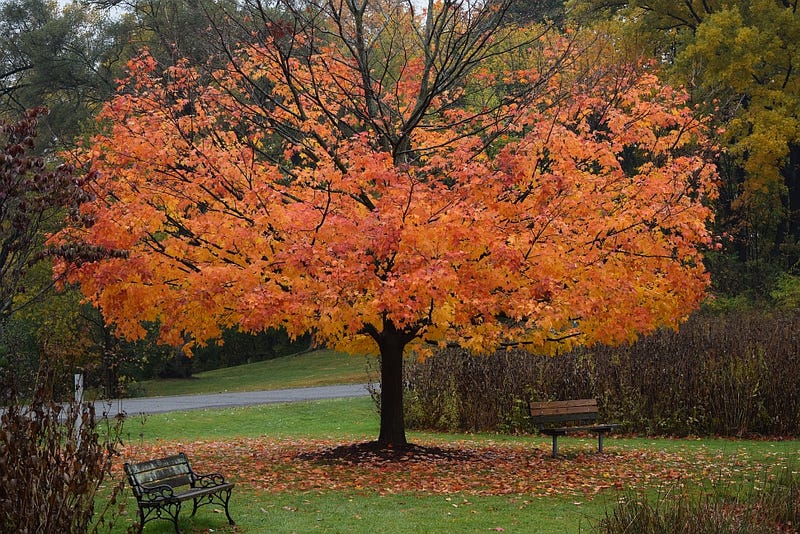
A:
{"x": 739, "y": 61}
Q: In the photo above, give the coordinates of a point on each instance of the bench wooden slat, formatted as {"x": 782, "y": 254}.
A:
{"x": 579, "y": 406}
{"x": 199, "y": 492}
{"x": 564, "y": 430}
{"x": 177, "y": 460}
{"x": 543, "y": 412}
{"x": 573, "y": 402}
{"x": 550, "y": 419}
{"x": 172, "y": 481}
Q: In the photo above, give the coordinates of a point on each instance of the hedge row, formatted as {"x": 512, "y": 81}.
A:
{"x": 731, "y": 375}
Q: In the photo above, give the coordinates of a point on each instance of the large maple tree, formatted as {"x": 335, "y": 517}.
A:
{"x": 394, "y": 181}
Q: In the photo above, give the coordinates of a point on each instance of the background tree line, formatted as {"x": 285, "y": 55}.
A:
{"x": 66, "y": 58}
{"x": 738, "y": 62}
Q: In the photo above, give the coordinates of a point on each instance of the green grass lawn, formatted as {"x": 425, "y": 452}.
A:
{"x": 346, "y": 421}
{"x": 349, "y": 510}
{"x": 342, "y": 512}
{"x": 356, "y": 419}
{"x": 317, "y": 368}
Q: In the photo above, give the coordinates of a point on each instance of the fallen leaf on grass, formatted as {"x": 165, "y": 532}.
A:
{"x": 433, "y": 468}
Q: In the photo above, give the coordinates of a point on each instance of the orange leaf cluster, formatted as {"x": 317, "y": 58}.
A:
{"x": 585, "y": 223}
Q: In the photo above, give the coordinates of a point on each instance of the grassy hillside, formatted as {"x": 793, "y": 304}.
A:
{"x": 317, "y": 368}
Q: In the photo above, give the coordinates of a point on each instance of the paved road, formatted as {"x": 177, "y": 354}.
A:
{"x": 150, "y": 405}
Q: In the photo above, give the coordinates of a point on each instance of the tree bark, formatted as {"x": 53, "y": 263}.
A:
{"x": 393, "y": 428}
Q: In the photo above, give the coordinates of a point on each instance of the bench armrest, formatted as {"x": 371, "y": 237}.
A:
{"x": 209, "y": 480}
{"x": 156, "y": 493}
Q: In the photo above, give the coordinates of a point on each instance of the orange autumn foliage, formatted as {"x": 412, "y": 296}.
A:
{"x": 579, "y": 219}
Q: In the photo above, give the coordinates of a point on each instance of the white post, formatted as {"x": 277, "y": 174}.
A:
{"x": 78, "y": 402}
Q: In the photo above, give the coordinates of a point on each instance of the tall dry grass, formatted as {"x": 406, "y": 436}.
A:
{"x": 736, "y": 374}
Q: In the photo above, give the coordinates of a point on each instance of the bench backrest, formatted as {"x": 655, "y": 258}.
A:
{"x": 584, "y": 410}
{"x": 172, "y": 471}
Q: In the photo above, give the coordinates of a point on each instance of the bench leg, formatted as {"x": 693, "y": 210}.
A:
{"x": 600, "y": 441}
{"x": 175, "y": 517}
{"x": 222, "y": 497}
{"x": 166, "y": 510}
{"x": 555, "y": 445}
{"x": 227, "y": 513}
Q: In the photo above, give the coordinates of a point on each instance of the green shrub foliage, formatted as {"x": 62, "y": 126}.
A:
{"x": 735, "y": 375}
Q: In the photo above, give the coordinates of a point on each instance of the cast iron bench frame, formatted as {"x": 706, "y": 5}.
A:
{"x": 161, "y": 485}
{"x": 580, "y": 410}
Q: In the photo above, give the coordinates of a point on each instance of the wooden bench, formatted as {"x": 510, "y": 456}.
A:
{"x": 161, "y": 485}
{"x": 572, "y": 411}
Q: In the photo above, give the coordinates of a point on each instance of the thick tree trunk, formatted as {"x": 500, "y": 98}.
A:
{"x": 393, "y": 427}
{"x": 392, "y": 343}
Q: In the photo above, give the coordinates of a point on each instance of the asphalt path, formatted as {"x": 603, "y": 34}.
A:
{"x": 150, "y": 405}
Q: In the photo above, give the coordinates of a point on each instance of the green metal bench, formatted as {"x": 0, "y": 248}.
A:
{"x": 161, "y": 485}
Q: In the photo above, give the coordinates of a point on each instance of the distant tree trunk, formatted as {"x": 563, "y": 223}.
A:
{"x": 791, "y": 174}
